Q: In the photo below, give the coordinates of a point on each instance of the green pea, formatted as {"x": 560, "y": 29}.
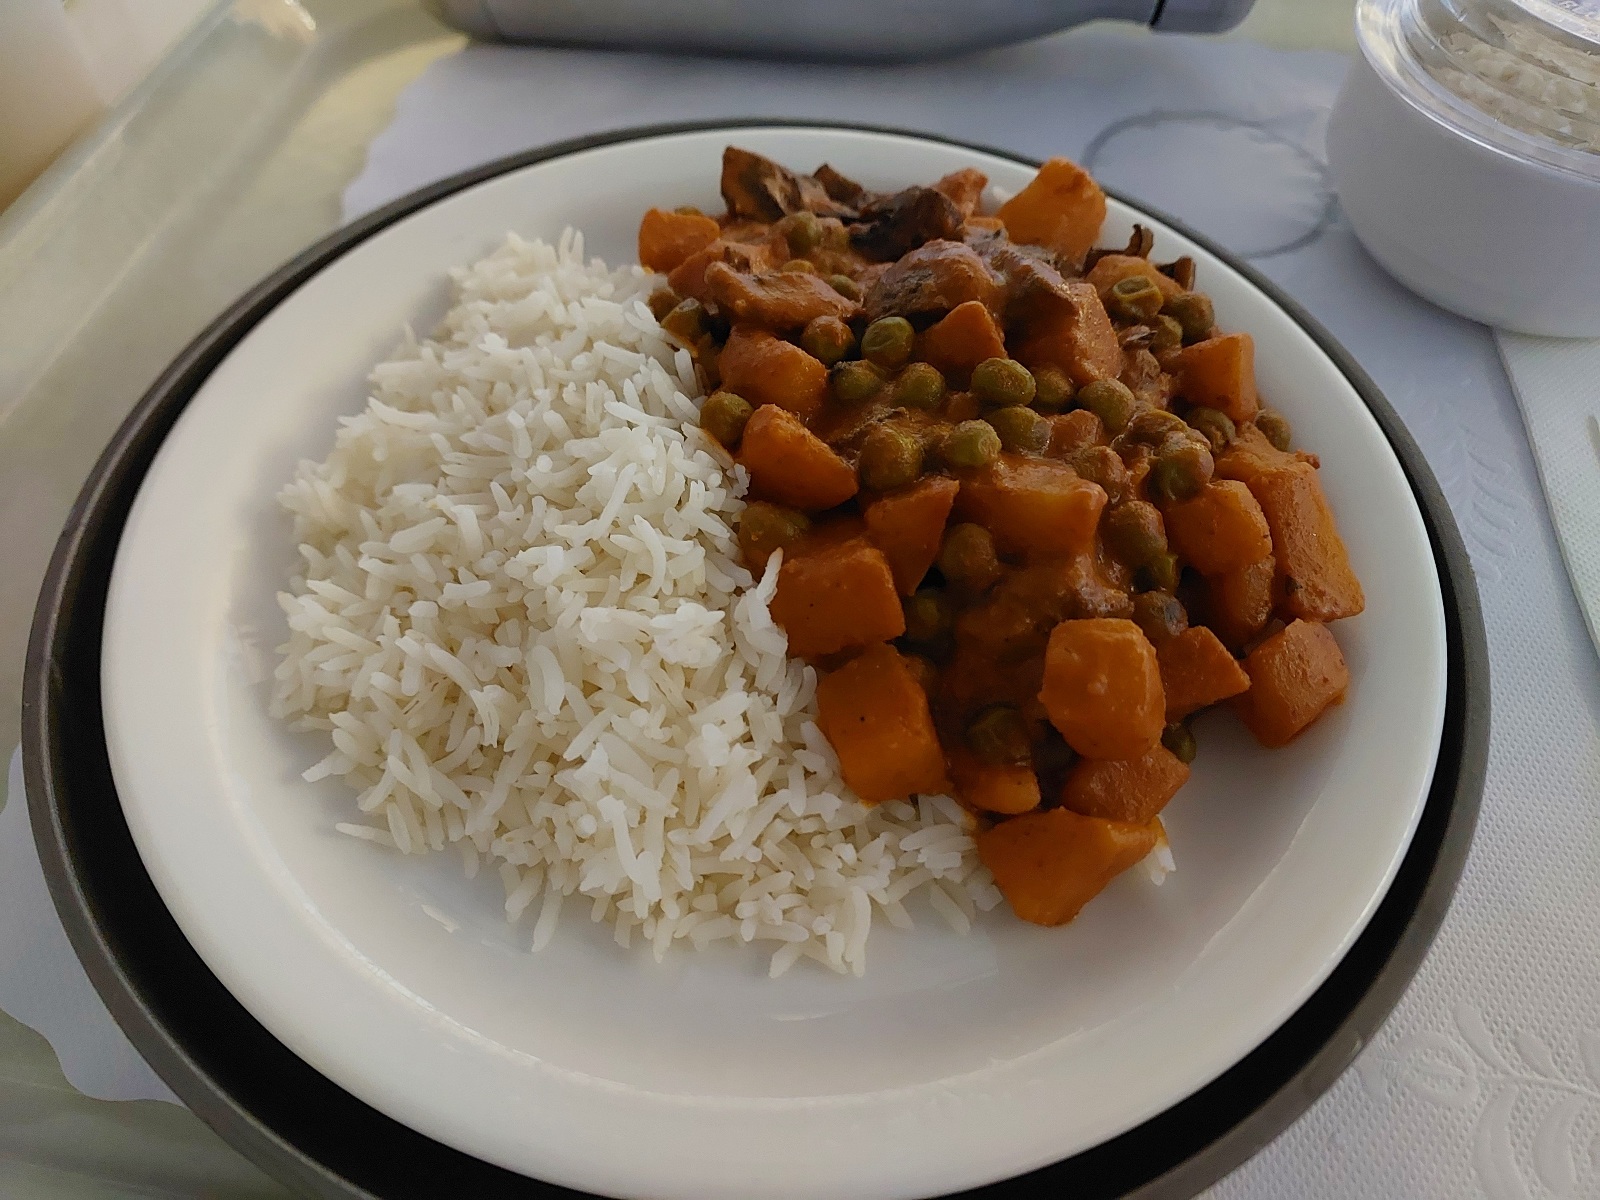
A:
{"x": 765, "y": 527}
{"x": 688, "y": 210}
{"x": 802, "y": 231}
{"x": 999, "y": 734}
{"x": 1276, "y": 427}
{"x": 890, "y": 458}
{"x": 661, "y": 302}
{"x": 1160, "y": 574}
{"x": 724, "y": 416}
{"x": 835, "y": 236}
{"x": 1160, "y": 615}
{"x": 798, "y": 266}
{"x": 1216, "y": 425}
{"x": 1134, "y": 532}
{"x": 1021, "y": 430}
{"x": 1052, "y": 391}
{"x": 1192, "y": 311}
{"x": 1152, "y": 426}
{"x": 854, "y": 381}
{"x": 887, "y": 342}
{"x": 845, "y": 286}
{"x": 1181, "y": 470}
{"x": 687, "y": 322}
{"x": 967, "y": 559}
{"x": 1165, "y": 334}
{"x": 827, "y": 339}
{"x": 928, "y": 616}
{"x": 971, "y": 444}
{"x": 920, "y": 386}
{"x": 1133, "y": 299}
{"x": 1179, "y": 739}
{"x": 1109, "y": 399}
{"x": 1003, "y": 382}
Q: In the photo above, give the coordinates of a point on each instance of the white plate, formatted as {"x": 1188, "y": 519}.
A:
{"x": 956, "y": 1060}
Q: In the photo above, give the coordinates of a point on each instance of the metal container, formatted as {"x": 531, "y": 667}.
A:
{"x": 885, "y": 31}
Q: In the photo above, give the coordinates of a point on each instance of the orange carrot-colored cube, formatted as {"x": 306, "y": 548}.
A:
{"x": 836, "y": 596}
{"x": 1112, "y": 269}
{"x": 1220, "y": 373}
{"x": 1250, "y": 453}
{"x": 1197, "y": 671}
{"x": 1134, "y": 790}
{"x": 1221, "y": 529}
{"x": 1239, "y": 602}
{"x": 1006, "y": 788}
{"x": 962, "y": 339}
{"x": 964, "y": 189}
{"x": 1317, "y": 581}
{"x": 790, "y": 465}
{"x": 875, "y": 715}
{"x": 908, "y": 526}
{"x": 1295, "y": 675}
{"x": 768, "y": 370}
{"x": 1032, "y": 507}
{"x": 1102, "y": 688}
{"x": 1062, "y": 208}
{"x": 1049, "y": 864}
{"x": 667, "y": 238}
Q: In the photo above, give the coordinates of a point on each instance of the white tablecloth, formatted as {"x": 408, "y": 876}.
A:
{"x": 1486, "y": 1080}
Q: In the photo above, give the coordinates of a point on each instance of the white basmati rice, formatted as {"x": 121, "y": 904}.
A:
{"x": 523, "y": 626}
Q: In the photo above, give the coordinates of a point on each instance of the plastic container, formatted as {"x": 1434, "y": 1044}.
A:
{"x": 1465, "y": 146}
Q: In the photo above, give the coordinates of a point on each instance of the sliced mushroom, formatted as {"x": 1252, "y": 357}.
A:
{"x": 759, "y": 189}
{"x": 898, "y": 224}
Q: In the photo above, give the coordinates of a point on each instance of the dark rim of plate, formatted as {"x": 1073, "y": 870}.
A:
{"x": 300, "y": 1127}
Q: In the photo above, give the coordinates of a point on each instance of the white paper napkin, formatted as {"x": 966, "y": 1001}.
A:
{"x": 1486, "y": 1081}
{"x": 1557, "y": 383}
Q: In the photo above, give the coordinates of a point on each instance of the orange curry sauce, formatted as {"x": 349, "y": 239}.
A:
{"x": 1032, "y": 514}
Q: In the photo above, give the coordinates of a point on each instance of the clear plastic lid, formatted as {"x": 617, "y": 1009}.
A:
{"x": 1522, "y": 76}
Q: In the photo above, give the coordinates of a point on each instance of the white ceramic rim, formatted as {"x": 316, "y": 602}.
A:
{"x": 338, "y": 1009}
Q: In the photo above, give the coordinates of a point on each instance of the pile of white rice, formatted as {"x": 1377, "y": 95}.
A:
{"x": 522, "y": 623}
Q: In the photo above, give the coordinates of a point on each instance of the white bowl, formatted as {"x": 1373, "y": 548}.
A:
{"x": 1481, "y": 220}
{"x": 956, "y": 1060}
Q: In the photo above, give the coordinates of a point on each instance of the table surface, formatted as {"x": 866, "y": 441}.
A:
{"x": 233, "y": 156}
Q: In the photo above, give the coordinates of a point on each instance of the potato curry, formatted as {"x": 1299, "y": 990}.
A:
{"x": 1033, "y": 515}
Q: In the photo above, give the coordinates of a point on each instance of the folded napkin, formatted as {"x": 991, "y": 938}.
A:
{"x": 1557, "y": 383}
{"x": 1486, "y": 1080}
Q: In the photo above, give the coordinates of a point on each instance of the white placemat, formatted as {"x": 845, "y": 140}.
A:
{"x": 1486, "y": 1081}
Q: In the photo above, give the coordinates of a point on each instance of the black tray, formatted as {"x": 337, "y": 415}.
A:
{"x": 300, "y": 1127}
